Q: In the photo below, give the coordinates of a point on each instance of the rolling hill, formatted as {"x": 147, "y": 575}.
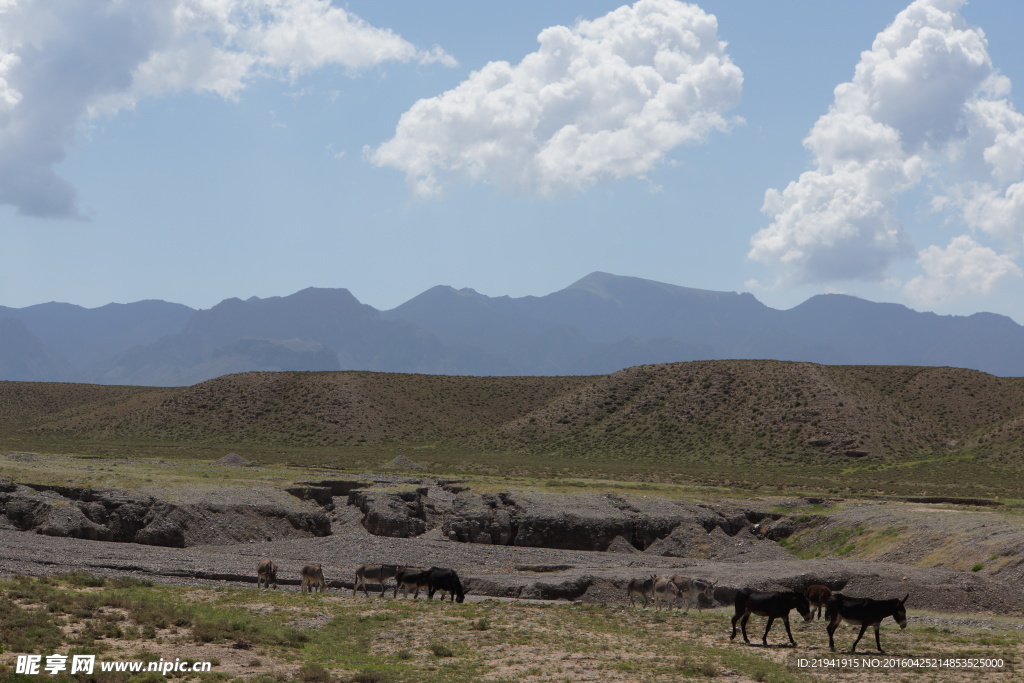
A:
{"x": 704, "y": 412}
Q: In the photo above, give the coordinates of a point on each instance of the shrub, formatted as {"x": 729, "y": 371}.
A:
{"x": 27, "y": 631}
{"x": 441, "y": 650}
{"x": 313, "y": 673}
{"x": 81, "y": 579}
{"x": 131, "y": 582}
{"x": 369, "y": 677}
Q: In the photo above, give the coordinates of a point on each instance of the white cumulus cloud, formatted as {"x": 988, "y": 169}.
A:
{"x": 8, "y": 95}
{"x": 925, "y": 103}
{"x": 604, "y": 99}
{"x": 962, "y": 267}
{"x": 63, "y": 62}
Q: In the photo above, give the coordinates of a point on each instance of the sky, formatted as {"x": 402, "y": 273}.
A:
{"x": 196, "y": 150}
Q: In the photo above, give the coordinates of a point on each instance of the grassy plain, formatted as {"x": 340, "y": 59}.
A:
{"x": 128, "y": 464}
{"x": 186, "y": 469}
{"x": 278, "y": 636}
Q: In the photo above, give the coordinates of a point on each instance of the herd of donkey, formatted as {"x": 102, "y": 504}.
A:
{"x": 672, "y": 591}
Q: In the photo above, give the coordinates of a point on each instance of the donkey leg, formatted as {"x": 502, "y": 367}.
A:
{"x": 768, "y": 627}
{"x": 831, "y": 627}
{"x": 785, "y": 620}
{"x": 743, "y": 627}
{"x": 878, "y": 642}
{"x": 853, "y": 648}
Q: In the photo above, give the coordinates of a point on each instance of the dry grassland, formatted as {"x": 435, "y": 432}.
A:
{"x": 278, "y": 636}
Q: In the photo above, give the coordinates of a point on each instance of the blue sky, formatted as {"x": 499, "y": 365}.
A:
{"x": 195, "y": 150}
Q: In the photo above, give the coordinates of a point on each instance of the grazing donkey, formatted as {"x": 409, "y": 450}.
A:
{"x": 373, "y": 573}
{"x": 446, "y": 581}
{"x": 818, "y": 596}
{"x": 774, "y": 605}
{"x": 312, "y": 578}
{"x": 694, "y": 589}
{"x": 640, "y": 587}
{"x": 266, "y": 574}
{"x": 863, "y": 612}
{"x": 665, "y": 590}
{"x": 412, "y": 579}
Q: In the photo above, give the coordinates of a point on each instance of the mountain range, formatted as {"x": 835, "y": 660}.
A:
{"x": 598, "y": 325}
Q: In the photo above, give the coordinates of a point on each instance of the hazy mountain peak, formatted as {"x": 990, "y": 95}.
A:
{"x": 437, "y": 296}
{"x": 600, "y": 283}
{"x": 448, "y": 290}
{"x": 616, "y": 287}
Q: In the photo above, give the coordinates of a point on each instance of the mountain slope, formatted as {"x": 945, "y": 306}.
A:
{"x": 86, "y": 337}
{"x": 24, "y": 357}
{"x": 868, "y": 332}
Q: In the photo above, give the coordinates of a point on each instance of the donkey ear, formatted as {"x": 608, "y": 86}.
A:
{"x": 904, "y": 599}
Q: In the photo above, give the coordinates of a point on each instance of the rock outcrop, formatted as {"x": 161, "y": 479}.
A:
{"x": 396, "y": 507}
{"x": 532, "y": 519}
{"x": 111, "y": 515}
{"x": 398, "y": 515}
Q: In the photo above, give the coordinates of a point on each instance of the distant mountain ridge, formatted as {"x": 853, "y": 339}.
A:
{"x": 597, "y": 325}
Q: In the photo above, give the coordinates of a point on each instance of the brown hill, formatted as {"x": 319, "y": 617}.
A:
{"x": 782, "y": 409}
{"x": 747, "y": 410}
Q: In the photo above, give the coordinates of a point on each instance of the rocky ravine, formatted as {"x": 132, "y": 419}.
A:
{"x": 508, "y": 545}
{"x": 113, "y": 515}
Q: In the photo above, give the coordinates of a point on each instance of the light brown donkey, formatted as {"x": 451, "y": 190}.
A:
{"x": 373, "y": 573}
{"x": 312, "y": 578}
{"x": 640, "y": 588}
{"x": 266, "y": 574}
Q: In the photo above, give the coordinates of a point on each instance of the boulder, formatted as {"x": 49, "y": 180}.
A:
{"x": 397, "y": 515}
{"x": 69, "y": 521}
{"x": 166, "y": 529}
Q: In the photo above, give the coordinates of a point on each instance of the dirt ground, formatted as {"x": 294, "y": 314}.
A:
{"x": 959, "y": 603}
{"x": 587, "y": 576}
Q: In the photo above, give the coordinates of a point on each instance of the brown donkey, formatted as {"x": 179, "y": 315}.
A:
{"x": 266, "y": 574}
{"x": 818, "y": 596}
